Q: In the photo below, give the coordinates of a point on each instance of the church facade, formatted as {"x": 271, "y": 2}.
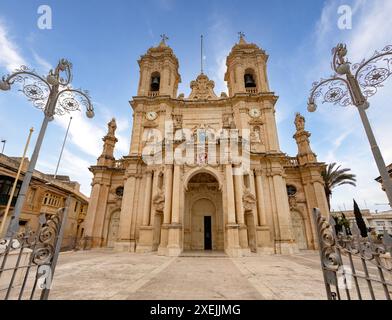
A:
{"x": 205, "y": 172}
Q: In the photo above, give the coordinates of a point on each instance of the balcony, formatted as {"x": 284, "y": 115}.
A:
{"x": 153, "y": 94}
{"x": 119, "y": 164}
{"x": 292, "y": 162}
{"x": 251, "y": 90}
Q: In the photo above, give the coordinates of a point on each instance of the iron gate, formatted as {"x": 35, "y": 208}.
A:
{"x": 354, "y": 267}
{"x": 28, "y": 258}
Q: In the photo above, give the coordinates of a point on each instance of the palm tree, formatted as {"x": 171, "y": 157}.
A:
{"x": 334, "y": 177}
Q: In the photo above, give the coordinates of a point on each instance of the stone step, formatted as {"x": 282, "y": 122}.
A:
{"x": 204, "y": 253}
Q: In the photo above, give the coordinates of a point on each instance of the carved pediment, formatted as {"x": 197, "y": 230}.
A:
{"x": 202, "y": 88}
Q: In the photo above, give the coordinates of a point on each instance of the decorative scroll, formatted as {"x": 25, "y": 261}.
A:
{"x": 34, "y": 88}
{"x": 53, "y": 89}
{"x": 41, "y": 242}
{"x": 333, "y": 91}
{"x": 371, "y": 73}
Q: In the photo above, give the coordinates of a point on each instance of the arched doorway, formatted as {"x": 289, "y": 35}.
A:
{"x": 203, "y": 217}
{"x": 299, "y": 230}
{"x": 113, "y": 228}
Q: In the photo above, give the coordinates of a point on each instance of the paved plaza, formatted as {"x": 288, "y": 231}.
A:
{"x": 104, "y": 274}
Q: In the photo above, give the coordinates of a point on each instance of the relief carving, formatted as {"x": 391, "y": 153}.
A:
{"x": 248, "y": 200}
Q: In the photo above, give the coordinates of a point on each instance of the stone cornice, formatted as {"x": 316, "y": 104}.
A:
{"x": 224, "y": 101}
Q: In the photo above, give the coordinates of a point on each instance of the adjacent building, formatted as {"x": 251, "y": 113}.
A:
{"x": 205, "y": 172}
{"x": 45, "y": 195}
{"x": 376, "y": 221}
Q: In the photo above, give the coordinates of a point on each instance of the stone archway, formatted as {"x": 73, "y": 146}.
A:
{"x": 203, "y": 215}
{"x": 299, "y": 230}
{"x": 113, "y": 228}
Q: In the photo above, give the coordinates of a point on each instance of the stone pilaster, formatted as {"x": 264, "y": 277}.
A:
{"x": 124, "y": 239}
{"x": 239, "y": 209}
{"x": 145, "y": 230}
{"x": 175, "y": 228}
{"x": 167, "y": 209}
{"x": 285, "y": 241}
{"x": 232, "y": 247}
{"x": 263, "y": 232}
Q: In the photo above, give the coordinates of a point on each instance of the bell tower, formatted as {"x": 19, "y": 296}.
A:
{"x": 246, "y": 68}
{"x": 159, "y": 71}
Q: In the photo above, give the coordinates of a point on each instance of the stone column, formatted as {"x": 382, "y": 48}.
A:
{"x": 147, "y": 199}
{"x": 168, "y": 193}
{"x": 174, "y": 237}
{"x": 260, "y": 198}
{"x": 153, "y": 193}
{"x": 230, "y": 195}
{"x": 286, "y": 240}
{"x": 272, "y": 132}
{"x": 263, "y": 231}
{"x": 90, "y": 218}
{"x": 232, "y": 238}
{"x": 239, "y": 209}
{"x": 100, "y": 214}
{"x": 167, "y": 209}
{"x": 124, "y": 241}
{"x": 176, "y": 195}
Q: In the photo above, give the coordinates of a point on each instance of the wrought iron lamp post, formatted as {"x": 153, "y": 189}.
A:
{"x": 54, "y": 96}
{"x": 345, "y": 88}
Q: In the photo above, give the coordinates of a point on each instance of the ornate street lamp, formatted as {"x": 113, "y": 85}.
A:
{"x": 54, "y": 96}
{"x": 345, "y": 88}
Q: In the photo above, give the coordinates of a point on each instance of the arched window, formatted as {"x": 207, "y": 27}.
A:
{"x": 249, "y": 79}
{"x": 291, "y": 190}
{"x": 6, "y": 184}
{"x": 155, "y": 81}
{"x": 120, "y": 191}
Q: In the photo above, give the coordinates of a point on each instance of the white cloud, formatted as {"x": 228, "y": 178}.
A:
{"x": 220, "y": 43}
{"x": 10, "y": 58}
{"x": 44, "y": 65}
{"x": 77, "y": 169}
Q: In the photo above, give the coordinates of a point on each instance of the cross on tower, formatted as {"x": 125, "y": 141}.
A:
{"x": 164, "y": 38}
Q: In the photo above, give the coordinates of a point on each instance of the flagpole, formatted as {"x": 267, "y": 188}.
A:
{"x": 11, "y": 196}
{"x": 62, "y": 149}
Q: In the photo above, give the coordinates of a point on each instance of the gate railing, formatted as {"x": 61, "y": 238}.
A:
{"x": 28, "y": 258}
{"x": 354, "y": 267}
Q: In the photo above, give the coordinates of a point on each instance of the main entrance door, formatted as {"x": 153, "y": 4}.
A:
{"x": 207, "y": 233}
{"x": 203, "y": 217}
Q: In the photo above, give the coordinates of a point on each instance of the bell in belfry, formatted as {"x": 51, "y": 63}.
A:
{"x": 155, "y": 83}
{"x": 249, "y": 81}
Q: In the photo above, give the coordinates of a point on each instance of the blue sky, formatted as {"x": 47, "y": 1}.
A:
{"x": 104, "y": 39}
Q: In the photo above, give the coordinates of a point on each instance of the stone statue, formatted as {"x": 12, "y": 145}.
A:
{"x": 255, "y": 135}
{"x": 299, "y": 122}
{"x": 112, "y": 126}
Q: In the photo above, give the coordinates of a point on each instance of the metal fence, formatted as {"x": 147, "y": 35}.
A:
{"x": 354, "y": 267}
{"x": 28, "y": 259}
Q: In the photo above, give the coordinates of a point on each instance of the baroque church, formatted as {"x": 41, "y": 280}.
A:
{"x": 171, "y": 206}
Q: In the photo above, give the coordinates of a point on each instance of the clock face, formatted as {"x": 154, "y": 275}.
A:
{"x": 151, "y": 115}
{"x": 254, "y": 113}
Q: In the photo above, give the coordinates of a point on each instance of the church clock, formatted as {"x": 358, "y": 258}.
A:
{"x": 254, "y": 113}
{"x": 151, "y": 115}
